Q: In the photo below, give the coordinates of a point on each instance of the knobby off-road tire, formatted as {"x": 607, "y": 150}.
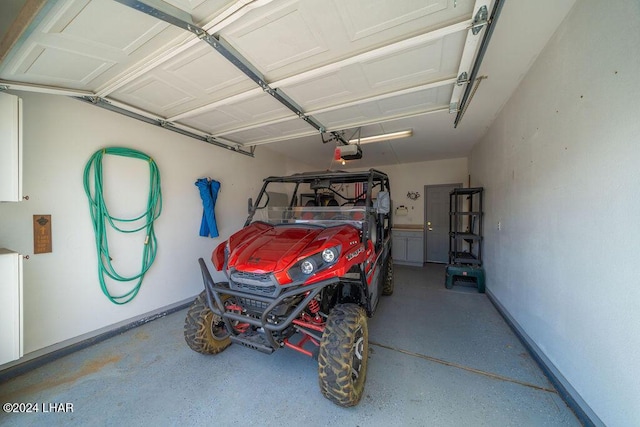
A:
{"x": 388, "y": 285}
{"x": 204, "y": 331}
{"x": 342, "y": 359}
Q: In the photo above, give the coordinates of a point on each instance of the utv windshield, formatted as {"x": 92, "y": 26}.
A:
{"x": 320, "y": 198}
{"x": 320, "y": 215}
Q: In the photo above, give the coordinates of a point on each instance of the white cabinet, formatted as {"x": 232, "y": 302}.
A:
{"x": 11, "y": 346}
{"x": 408, "y": 247}
{"x": 10, "y": 148}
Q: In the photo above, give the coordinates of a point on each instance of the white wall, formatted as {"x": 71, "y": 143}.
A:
{"x": 414, "y": 176}
{"x": 62, "y": 296}
{"x": 560, "y": 168}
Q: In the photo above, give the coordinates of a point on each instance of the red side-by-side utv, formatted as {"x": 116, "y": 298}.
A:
{"x": 305, "y": 272}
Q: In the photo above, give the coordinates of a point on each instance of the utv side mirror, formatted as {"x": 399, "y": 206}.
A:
{"x": 249, "y": 205}
{"x": 383, "y": 203}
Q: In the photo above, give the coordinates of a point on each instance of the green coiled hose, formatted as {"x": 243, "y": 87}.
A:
{"x": 100, "y": 217}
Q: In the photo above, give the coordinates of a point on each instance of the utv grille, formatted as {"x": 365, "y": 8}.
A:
{"x": 251, "y": 278}
{"x": 253, "y": 305}
{"x": 253, "y": 283}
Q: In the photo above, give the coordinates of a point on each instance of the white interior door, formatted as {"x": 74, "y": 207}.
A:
{"x": 436, "y": 222}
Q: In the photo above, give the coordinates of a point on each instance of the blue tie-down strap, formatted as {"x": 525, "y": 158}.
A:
{"x": 208, "y": 193}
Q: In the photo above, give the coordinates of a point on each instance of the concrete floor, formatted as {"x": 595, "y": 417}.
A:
{"x": 438, "y": 358}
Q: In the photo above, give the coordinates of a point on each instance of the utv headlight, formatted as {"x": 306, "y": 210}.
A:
{"x": 314, "y": 263}
{"x": 308, "y": 266}
{"x": 329, "y": 255}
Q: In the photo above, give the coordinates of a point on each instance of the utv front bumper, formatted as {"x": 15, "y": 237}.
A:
{"x": 264, "y": 321}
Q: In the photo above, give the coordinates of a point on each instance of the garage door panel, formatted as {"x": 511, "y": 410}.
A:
{"x": 201, "y": 72}
{"x": 153, "y": 93}
{"x": 186, "y": 5}
{"x": 265, "y": 132}
{"x": 126, "y": 35}
{"x": 384, "y": 109}
{"x": 347, "y": 89}
{"x": 363, "y": 18}
{"x": 403, "y": 66}
{"x": 258, "y": 109}
{"x": 207, "y": 70}
{"x": 341, "y": 118}
{"x": 426, "y": 63}
{"x": 327, "y": 31}
{"x": 410, "y": 103}
{"x": 422, "y": 64}
{"x": 46, "y": 64}
{"x": 213, "y": 121}
{"x": 248, "y": 136}
{"x": 85, "y": 44}
{"x": 201, "y": 11}
{"x": 328, "y": 89}
{"x": 283, "y": 37}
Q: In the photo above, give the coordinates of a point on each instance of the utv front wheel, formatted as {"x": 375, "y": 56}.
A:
{"x": 204, "y": 331}
{"x": 342, "y": 360}
{"x": 387, "y": 287}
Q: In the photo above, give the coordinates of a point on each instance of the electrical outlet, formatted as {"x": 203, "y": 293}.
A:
{"x": 499, "y": 226}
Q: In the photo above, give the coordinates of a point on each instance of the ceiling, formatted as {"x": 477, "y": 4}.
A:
{"x": 379, "y": 66}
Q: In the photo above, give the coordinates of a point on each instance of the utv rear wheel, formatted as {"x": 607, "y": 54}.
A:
{"x": 387, "y": 287}
{"x": 342, "y": 360}
{"x": 204, "y": 331}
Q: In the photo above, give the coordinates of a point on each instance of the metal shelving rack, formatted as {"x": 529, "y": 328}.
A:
{"x": 465, "y": 237}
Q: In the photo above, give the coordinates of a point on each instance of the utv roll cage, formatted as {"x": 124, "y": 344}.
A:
{"x": 324, "y": 180}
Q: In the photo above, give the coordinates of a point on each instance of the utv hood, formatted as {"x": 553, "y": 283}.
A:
{"x": 263, "y": 248}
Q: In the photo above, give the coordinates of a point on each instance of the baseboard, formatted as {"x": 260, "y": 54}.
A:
{"x": 48, "y": 354}
{"x": 571, "y": 397}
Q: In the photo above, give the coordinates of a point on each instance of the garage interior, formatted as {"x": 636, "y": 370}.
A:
{"x": 546, "y": 124}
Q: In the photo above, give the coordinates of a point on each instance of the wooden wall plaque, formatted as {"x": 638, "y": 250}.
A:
{"x": 42, "y": 234}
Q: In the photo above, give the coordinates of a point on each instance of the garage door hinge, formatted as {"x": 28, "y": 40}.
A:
{"x": 200, "y": 33}
{"x": 4, "y": 88}
{"x": 463, "y": 79}
{"x": 480, "y": 20}
{"x": 95, "y": 99}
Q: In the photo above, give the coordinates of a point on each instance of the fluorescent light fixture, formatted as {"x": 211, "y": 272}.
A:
{"x": 383, "y": 137}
